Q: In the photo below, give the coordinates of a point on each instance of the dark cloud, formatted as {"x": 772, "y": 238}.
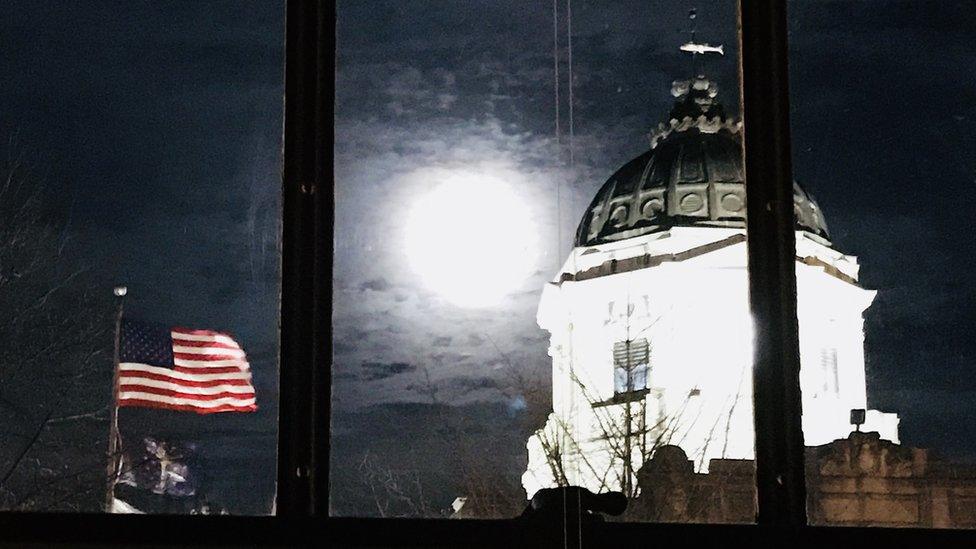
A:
{"x": 535, "y": 338}
{"x": 449, "y": 358}
{"x": 442, "y": 341}
{"x": 465, "y": 385}
{"x": 342, "y": 347}
{"x": 357, "y": 334}
{"x": 374, "y": 371}
{"x": 376, "y": 285}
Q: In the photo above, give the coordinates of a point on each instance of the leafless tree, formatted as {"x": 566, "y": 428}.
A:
{"x": 394, "y": 493}
{"x": 55, "y": 356}
{"x": 486, "y": 487}
{"x": 631, "y": 434}
{"x": 395, "y": 487}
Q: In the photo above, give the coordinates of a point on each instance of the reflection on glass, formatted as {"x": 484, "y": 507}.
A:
{"x": 890, "y": 159}
{"x": 651, "y": 336}
{"x": 448, "y": 398}
{"x": 139, "y": 163}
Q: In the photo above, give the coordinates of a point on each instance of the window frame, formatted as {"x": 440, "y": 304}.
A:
{"x": 305, "y": 355}
{"x": 630, "y": 370}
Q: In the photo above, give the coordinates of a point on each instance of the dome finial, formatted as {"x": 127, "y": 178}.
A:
{"x": 696, "y": 96}
{"x": 695, "y": 48}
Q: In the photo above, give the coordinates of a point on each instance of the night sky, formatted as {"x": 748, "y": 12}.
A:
{"x": 883, "y": 101}
{"x": 159, "y": 125}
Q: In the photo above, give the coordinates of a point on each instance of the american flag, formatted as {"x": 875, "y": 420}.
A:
{"x": 198, "y": 371}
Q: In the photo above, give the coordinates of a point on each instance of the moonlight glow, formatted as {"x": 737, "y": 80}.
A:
{"x": 469, "y": 238}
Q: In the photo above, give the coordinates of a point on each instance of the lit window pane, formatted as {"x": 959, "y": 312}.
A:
{"x": 541, "y": 276}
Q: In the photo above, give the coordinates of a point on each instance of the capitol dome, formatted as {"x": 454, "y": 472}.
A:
{"x": 692, "y": 176}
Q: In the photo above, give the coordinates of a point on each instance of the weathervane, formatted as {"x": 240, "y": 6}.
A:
{"x": 695, "y": 48}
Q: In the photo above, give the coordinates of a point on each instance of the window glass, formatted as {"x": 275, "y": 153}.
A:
{"x": 631, "y": 363}
{"x": 540, "y": 262}
{"x": 139, "y": 174}
{"x": 881, "y": 122}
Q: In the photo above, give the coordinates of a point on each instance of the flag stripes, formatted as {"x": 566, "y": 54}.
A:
{"x": 195, "y": 388}
{"x": 192, "y": 352}
{"x": 181, "y": 369}
{"x": 134, "y": 402}
{"x": 197, "y": 361}
{"x": 143, "y": 392}
{"x": 135, "y": 370}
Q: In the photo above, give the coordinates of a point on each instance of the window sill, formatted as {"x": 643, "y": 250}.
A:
{"x": 42, "y": 530}
{"x": 623, "y": 398}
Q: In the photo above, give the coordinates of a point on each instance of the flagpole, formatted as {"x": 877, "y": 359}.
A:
{"x": 112, "y": 468}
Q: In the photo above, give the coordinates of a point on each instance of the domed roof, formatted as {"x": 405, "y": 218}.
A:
{"x": 692, "y": 175}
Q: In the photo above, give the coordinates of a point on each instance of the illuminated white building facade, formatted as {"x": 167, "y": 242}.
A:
{"x": 651, "y": 336}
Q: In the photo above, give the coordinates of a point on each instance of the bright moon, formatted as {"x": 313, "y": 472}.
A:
{"x": 470, "y": 238}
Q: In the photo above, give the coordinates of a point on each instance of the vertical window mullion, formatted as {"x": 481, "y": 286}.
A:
{"x": 306, "y": 241}
{"x": 780, "y": 486}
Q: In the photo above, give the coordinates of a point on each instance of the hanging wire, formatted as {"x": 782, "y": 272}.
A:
{"x": 569, "y": 70}
{"x": 555, "y": 63}
{"x": 555, "y": 70}
{"x": 695, "y": 62}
